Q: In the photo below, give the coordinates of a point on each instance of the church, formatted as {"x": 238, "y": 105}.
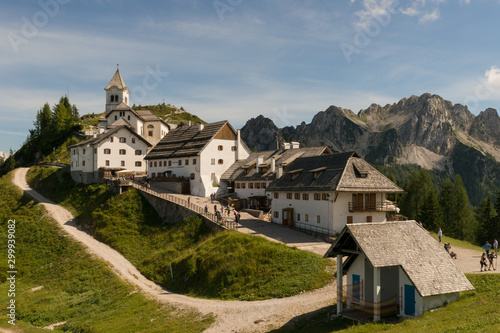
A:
{"x": 125, "y": 137}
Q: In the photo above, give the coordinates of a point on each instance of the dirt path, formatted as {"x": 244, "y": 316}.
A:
{"x": 232, "y": 316}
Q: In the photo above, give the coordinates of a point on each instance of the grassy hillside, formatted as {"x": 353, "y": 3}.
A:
{"x": 226, "y": 265}
{"x": 476, "y": 311}
{"x": 69, "y": 284}
{"x": 170, "y": 113}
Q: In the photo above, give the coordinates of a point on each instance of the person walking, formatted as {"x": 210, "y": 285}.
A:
{"x": 206, "y": 209}
{"x": 495, "y": 247}
{"x": 483, "y": 262}
{"x": 490, "y": 258}
{"x": 440, "y": 234}
{"x": 189, "y": 201}
{"x": 215, "y": 209}
{"x": 487, "y": 248}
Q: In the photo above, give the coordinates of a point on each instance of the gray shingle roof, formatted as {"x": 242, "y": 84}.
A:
{"x": 404, "y": 244}
{"x": 107, "y": 134}
{"x": 185, "y": 141}
{"x": 116, "y": 81}
{"x": 342, "y": 172}
{"x": 245, "y": 169}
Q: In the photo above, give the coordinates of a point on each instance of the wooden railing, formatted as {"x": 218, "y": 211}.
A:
{"x": 385, "y": 206}
{"x": 221, "y": 221}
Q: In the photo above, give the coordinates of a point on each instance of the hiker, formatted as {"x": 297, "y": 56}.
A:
{"x": 483, "y": 262}
{"x": 453, "y": 255}
{"x": 440, "y": 234}
{"x": 495, "y": 247}
{"x": 487, "y": 248}
{"x": 447, "y": 247}
{"x": 206, "y": 209}
{"x": 215, "y": 209}
{"x": 189, "y": 201}
{"x": 490, "y": 258}
{"x": 222, "y": 210}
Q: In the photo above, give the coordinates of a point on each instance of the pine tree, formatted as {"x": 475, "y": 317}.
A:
{"x": 486, "y": 217}
{"x": 430, "y": 214}
{"x": 467, "y": 224}
{"x": 11, "y": 160}
{"x": 418, "y": 186}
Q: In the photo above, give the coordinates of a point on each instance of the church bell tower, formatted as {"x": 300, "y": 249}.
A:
{"x": 116, "y": 92}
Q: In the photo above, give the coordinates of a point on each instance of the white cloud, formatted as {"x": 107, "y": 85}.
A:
{"x": 492, "y": 76}
{"x": 430, "y": 16}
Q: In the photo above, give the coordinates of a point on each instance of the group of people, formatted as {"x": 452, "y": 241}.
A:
{"x": 489, "y": 256}
{"x": 224, "y": 212}
{"x": 447, "y": 247}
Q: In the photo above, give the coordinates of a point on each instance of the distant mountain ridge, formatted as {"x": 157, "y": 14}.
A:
{"x": 425, "y": 130}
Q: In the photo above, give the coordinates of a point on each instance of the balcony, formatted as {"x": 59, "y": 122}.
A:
{"x": 385, "y": 206}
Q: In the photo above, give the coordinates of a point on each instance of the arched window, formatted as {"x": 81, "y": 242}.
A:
{"x": 151, "y": 126}
{"x": 112, "y": 98}
{"x": 116, "y": 98}
{"x": 153, "y": 175}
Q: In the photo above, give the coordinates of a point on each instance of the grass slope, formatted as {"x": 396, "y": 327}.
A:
{"x": 76, "y": 287}
{"x": 226, "y": 265}
{"x": 476, "y": 311}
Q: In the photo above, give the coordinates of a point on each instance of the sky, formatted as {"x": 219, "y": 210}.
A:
{"x": 237, "y": 59}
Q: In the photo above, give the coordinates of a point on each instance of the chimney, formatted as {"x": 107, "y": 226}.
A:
{"x": 258, "y": 161}
{"x": 200, "y": 127}
{"x": 295, "y": 145}
{"x": 279, "y": 171}
{"x": 286, "y": 145}
{"x": 273, "y": 164}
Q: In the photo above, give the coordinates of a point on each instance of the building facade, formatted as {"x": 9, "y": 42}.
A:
{"x": 324, "y": 193}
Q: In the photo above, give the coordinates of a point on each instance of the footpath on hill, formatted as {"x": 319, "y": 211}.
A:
{"x": 232, "y": 316}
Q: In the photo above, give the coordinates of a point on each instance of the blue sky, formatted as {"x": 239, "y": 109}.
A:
{"x": 236, "y": 59}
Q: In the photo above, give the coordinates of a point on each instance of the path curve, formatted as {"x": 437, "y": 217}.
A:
{"x": 231, "y": 316}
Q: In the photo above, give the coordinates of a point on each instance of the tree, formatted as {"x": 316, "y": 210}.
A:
{"x": 487, "y": 220}
{"x": 418, "y": 187}
{"x": 430, "y": 214}
{"x": 458, "y": 218}
{"x": 11, "y": 160}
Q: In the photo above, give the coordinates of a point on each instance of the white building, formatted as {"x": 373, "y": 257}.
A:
{"x": 200, "y": 153}
{"x": 385, "y": 278}
{"x": 324, "y": 193}
{"x": 119, "y": 148}
{"x": 250, "y": 177}
{"x": 125, "y": 136}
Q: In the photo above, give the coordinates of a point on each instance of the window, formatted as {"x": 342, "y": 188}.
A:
{"x": 317, "y": 196}
{"x": 151, "y": 126}
{"x": 191, "y": 176}
{"x": 298, "y": 217}
{"x": 221, "y": 161}
{"x": 257, "y": 185}
{"x": 289, "y": 195}
{"x": 107, "y": 162}
{"x": 324, "y": 196}
{"x": 74, "y": 151}
{"x": 297, "y": 196}
{"x": 116, "y": 117}
{"x": 153, "y": 175}
{"x": 194, "y": 161}
{"x": 369, "y": 219}
{"x": 212, "y": 161}
{"x": 305, "y": 196}
{"x": 237, "y": 185}
{"x": 138, "y": 152}
{"x": 111, "y": 139}
{"x": 156, "y": 164}
{"x": 169, "y": 163}
{"x": 349, "y": 220}
{"x": 220, "y": 148}
{"x": 187, "y": 162}
{"x": 276, "y": 215}
{"x": 150, "y": 164}
{"x": 250, "y": 185}
{"x": 112, "y": 98}
{"x": 123, "y": 152}
{"x": 83, "y": 163}
{"x": 123, "y": 140}
{"x": 263, "y": 185}
{"x": 95, "y": 150}
{"x": 138, "y": 163}
{"x": 128, "y": 117}
{"x": 179, "y": 162}
{"x": 133, "y": 140}
{"x": 233, "y": 148}
{"x": 318, "y": 219}
{"x": 150, "y": 133}
{"x": 307, "y": 217}
{"x": 83, "y": 151}
{"x": 123, "y": 163}
{"x": 107, "y": 151}
{"x": 276, "y": 195}
{"x": 243, "y": 185}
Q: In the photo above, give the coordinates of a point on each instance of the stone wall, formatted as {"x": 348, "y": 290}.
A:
{"x": 170, "y": 212}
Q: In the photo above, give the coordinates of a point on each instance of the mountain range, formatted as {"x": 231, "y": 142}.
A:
{"x": 425, "y": 130}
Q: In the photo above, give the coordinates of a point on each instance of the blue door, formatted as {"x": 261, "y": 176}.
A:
{"x": 409, "y": 300}
{"x": 356, "y": 287}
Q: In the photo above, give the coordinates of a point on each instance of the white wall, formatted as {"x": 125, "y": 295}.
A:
{"x": 135, "y": 122}
{"x": 436, "y": 301}
{"x": 358, "y": 268}
{"x": 403, "y": 279}
{"x": 251, "y": 192}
